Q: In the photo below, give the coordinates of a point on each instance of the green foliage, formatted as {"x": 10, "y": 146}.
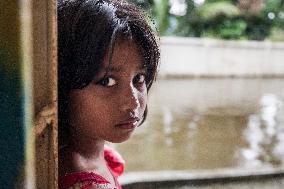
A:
{"x": 212, "y": 10}
{"x": 273, "y": 5}
{"x": 276, "y": 8}
{"x": 226, "y": 28}
{"x": 145, "y": 4}
{"x": 217, "y": 1}
{"x": 219, "y": 19}
{"x": 161, "y": 12}
{"x": 258, "y": 27}
{"x": 276, "y": 35}
{"x": 190, "y": 24}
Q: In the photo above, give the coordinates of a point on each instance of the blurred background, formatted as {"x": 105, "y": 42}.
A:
{"x": 218, "y": 101}
{"x": 224, "y": 19}
{"x": 216, "y": 113}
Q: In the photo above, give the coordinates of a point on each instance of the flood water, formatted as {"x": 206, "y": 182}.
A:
{"x": 198, "y": 124}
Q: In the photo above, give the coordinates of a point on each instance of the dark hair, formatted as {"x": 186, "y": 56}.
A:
{"x": 87, "y": 29}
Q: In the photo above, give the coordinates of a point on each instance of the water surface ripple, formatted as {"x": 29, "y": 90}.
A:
{"x": 210, "y": 123}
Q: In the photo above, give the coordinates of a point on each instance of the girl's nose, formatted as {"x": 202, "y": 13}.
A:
{"x": 130, "y": 101}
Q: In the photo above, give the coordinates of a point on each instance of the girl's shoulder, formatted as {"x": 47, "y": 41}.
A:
{"x": 84, "y": 180}
{"x": 114, "y": 161}
{"x": 91, "y": 180}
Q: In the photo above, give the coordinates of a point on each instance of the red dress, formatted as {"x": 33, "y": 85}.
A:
{"x": 87, "y": 180}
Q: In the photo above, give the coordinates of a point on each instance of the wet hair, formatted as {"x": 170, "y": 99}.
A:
{"x": 87, "y": 29}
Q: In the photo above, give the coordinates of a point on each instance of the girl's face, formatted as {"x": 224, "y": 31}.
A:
{"x": 111, "y": 106}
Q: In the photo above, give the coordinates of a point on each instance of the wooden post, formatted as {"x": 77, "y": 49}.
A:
{"x": 45, "y": 92}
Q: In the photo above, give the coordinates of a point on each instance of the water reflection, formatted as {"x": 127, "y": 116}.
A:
{"x": 264, "y": 134}
{"x": 210, "y": 123}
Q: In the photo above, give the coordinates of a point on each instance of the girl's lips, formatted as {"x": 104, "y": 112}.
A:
{"x": 128, "y": 125}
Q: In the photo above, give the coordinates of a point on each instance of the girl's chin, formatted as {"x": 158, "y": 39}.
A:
{"x": 120, "y": 139}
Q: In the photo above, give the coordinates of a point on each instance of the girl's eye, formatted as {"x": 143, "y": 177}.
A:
{"x": 139, "y": 79}
{"x": 107, "y": 82}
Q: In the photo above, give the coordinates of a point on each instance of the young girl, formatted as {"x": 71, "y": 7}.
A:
{"x": 108, "y": 58}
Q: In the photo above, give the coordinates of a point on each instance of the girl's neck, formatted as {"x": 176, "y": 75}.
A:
{"x": 88, "y": 148}
{"x": 82, "y": 155}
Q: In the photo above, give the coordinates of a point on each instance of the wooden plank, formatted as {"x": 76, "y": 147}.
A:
{"x": 45, "y": 92}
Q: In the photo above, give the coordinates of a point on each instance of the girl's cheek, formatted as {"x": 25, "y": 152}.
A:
{"x": 106, "y": 92}
{"x": 142, "y": 90}
{"x": 144, "y": 99}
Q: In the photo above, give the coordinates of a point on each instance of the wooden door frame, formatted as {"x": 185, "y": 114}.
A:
{"x": 44, "y": 27}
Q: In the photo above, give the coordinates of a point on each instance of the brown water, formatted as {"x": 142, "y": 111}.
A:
{"x": 210, "y": 123}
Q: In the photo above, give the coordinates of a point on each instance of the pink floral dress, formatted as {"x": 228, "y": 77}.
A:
{"x": 90, "y": 180}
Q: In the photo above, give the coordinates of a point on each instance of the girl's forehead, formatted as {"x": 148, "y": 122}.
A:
{"x": 124, "y": 53}
{"x": 122, "y": 68}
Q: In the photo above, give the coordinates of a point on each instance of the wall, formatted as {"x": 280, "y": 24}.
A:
{"x": 208, "y": 57}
